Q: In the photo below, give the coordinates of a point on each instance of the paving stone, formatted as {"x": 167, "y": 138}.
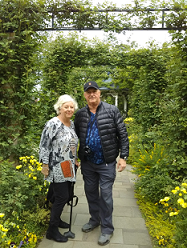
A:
{"x": 137, "y": 238}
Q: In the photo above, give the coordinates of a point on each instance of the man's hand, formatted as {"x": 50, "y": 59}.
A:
{"x": 121, "y": 165}
{"x": 45, "y": 170}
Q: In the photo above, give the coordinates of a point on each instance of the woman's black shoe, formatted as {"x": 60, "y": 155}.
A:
{"x": 53, "y": 233}
{"x": 63, "y": 224}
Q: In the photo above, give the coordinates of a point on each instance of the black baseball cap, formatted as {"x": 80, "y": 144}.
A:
{"x": 91, "y": 84}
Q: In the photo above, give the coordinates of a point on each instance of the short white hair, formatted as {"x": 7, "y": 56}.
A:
{"x": 63, "y": 99}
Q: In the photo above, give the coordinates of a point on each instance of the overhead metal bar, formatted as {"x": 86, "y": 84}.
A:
{"x": 160, "y": 24}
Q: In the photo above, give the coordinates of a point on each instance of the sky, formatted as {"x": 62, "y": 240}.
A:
{"x": 141, "y": 37}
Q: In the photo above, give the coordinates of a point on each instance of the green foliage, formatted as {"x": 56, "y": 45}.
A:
{"x": 22, "y": 187}
{"x": 148, "y": 88}
{"x": 174, "y": 109}
{"x": 160, "y": 229}
{"x": 133, "y": 139}
{"x": 153, "y": 187}
{"x": 175, "y": 205}
{"x": 19, "y": 47}
{"x": 154, "y": 159}
{"x": 22, "y": 197}
{"x": 24, "y": 232}
{"x": 154, "y": 173}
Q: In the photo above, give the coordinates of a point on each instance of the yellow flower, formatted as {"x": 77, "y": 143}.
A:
{"x": 2, "y": 215}
{"x": 180, "y": 194}
{"x": 184, "y": 191}
{"x": 161, "y": 242}
{"x": 158, "y": 161}
{"x": 39, "y": 168}
{"x": 35, "y": 178}
{"x": 18, "y": 167}
{"x": 31, "y": 168}
{"x": 129, "y": 119}
{"x": 4, "y": 229}
{"x": 173, "y": 213}
{"x": 35, "y": 239}
{"x": 166, "y": 198}
{"x": 31, "y": 161}
{"x": 174, "y": 191}
{"x": 184, "y": 184}
{"x": 184, "y": 205}
{"x": 141, "y": 160}
{"x": 180, "y": 201}
{"x": 9, "y": 242}
{"x": 177, "y": 188}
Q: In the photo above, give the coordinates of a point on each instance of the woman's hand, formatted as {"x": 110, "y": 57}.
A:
{"x": 77, "y": 163}
{"x": 45, "y": 170}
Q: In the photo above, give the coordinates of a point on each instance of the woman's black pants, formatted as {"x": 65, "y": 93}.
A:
{"x": 61, "y": 193}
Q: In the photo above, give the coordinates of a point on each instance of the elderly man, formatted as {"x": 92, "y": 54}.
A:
{"x": 102, "y": 134}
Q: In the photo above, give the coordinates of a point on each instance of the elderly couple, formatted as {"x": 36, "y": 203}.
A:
{"x": 102, "y": 134}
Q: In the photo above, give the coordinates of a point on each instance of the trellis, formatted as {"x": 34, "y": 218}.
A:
{"x": 148, "y": 19}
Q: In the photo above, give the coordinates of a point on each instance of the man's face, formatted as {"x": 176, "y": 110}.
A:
{"x": 92, "y": 96}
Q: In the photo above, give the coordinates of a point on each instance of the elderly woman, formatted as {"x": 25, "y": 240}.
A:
{"x": 57, "y": 152}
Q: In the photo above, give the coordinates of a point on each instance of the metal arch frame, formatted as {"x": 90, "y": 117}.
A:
{"x": 162, "y": 10}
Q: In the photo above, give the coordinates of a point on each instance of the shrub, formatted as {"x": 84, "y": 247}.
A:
{"x": 175, "y": 205}
{"x": 160, "y": 229}
{"x": 22, "y": 187}
{"x": 154, "y": 173}
{"x": 154, "y": 160}
{"x": 153, "y": 187}
{"x": 22, "y": 197}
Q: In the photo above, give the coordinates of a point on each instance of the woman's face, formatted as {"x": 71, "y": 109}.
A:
{"x": 67, "y": 109}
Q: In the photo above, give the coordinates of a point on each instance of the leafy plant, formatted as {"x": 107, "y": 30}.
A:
{"x": 22, "y": 187}
{"x": 22, "y": 196}
{"x": 160, "y": 229}
{"x": 153, "y": 160}
{"x": 175, "y": 205}
{"x": 154, "y": 173}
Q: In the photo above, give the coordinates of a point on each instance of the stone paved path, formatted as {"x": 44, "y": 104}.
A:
{"x": 130, "y": 230}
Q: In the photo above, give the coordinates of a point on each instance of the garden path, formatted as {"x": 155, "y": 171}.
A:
{"x": 130, "y": 229}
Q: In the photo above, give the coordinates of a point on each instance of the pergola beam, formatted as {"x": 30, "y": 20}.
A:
{"x": 159, "y": 25}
